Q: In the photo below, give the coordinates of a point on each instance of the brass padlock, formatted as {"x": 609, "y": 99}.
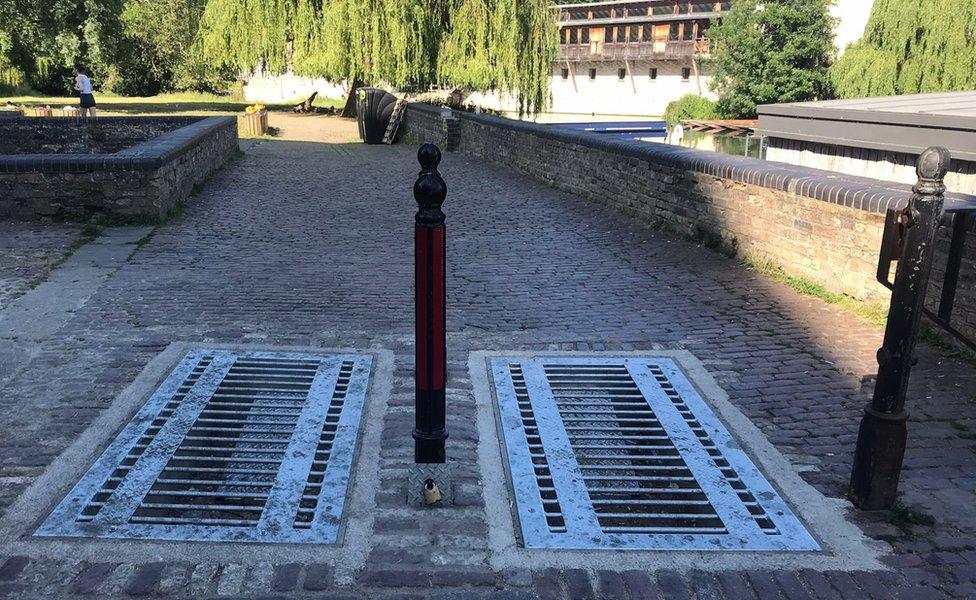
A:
{"x": 432, "y": 493}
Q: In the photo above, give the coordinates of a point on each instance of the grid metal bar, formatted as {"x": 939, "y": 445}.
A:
{"x": 578, "y": 513}
{"x": 209, "y": 482}
{"x": 520, "y": 465}
{"x": 195, "y": 521}
{"x": 723, "y": 498}
{"x": 143, "y": 488}
{"x": 790, "y": 527}
{"x": 328, "y": 511}
{"x": 108, "y": 462}
{"x": 285, "y": 496}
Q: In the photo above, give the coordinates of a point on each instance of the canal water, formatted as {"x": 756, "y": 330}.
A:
{"x": 657, "y": 131}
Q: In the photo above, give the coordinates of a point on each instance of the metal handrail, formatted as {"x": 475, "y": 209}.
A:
{"x": 893, "y": 247}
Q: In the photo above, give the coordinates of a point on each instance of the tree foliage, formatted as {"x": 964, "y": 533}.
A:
{"x": 41, "y": 39}
{"x": 142, "y": 47}
{"x": 477, "y": 44}
{"x": 772, "y": 51}
{"x": 689, "y": 106}
{"x": 910, "y": 47}
{"x": 129, "y": 46}
{"x": 157, "y": 49}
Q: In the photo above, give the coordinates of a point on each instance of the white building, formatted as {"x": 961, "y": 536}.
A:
{"x": 630, "y": 59}
{"x": 276, "y": 89}
{"x": 880, "y": 138}
{"x": 618, "y": 60}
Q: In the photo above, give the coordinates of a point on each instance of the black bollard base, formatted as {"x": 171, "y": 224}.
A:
{"x": 878, "y": 459}
{"x": 429, "y": 449}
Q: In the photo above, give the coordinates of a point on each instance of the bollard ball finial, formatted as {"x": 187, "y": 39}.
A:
{"x": 430, "y": 191}
{"x": 933, "y": 163}
{"x": 429, "y": 157}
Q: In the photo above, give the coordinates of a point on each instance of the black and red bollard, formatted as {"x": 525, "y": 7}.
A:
{"x": 883, "y": 432}
{"x": 430, "y": 431}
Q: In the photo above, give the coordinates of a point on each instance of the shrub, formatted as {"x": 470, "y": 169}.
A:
{"x": 690, "y": 106}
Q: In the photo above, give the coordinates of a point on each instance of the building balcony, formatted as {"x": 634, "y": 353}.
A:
{"x": 607, "y": 51}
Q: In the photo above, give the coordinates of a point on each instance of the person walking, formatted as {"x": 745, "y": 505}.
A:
{"x": 84, "y": 87}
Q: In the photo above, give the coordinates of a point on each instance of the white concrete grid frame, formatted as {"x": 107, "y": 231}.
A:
{"x": 843, "y": 546}
{"x": 348, "y": 556}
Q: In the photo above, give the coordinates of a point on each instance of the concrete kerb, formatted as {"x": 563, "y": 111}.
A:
{"x": 845, "y": 547}
{"x": 347, "y": 557}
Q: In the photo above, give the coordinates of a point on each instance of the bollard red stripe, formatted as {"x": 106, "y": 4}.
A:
{"x": 420, "y": 294}
{"x": 438, "y": 341}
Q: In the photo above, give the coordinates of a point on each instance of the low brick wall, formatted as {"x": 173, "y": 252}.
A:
{"x": 815, "y": 224}
{"x": 67, "y": 135}
{"x": 148, "y": 179}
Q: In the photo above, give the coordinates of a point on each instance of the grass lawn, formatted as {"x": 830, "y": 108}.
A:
{"x": 186, "y": 103}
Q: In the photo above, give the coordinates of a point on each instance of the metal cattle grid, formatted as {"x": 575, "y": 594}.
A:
{"x": 610, "y": 452}
{"x": 232, "y": 446}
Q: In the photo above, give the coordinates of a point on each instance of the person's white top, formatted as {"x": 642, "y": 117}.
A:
{"x": 83, "y": 84}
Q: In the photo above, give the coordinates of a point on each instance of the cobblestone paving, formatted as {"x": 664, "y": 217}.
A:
{"x": 310, "y": 244}
{"x": 27, "y": 253}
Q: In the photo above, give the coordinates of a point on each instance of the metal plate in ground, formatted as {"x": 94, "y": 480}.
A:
{"x": 623, "y": 453}
{"x": 232, "y": 446}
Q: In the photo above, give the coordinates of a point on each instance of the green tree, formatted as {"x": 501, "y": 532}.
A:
{"x": 770, "y": 51}
{"x": 10, "y": 75}
{"x": 478, "y": 44}
{"x": 41, "y": 39}
{"x": 910, "y": 47}
{"x": 158, "y": 52}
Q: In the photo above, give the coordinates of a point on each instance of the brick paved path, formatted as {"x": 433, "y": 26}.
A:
{"x": 27, "y": 253}
{"x": 310, "y": 244}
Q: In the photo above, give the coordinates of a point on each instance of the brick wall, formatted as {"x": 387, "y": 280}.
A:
{"x": 148, "y": 179}
{"x": 814, "y": 224}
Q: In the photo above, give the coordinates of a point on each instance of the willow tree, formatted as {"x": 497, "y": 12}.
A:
{"x": 501, "y": 44}
{"x": 506, "y": 45}
{"x": 909, "y": 47}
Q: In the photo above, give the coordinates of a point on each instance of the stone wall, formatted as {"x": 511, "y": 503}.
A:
{"x": 814, "y": 224}
{"x": 147, "y": 180}
{"x": 428, "y": 125}
{"x": 66, "y": 135}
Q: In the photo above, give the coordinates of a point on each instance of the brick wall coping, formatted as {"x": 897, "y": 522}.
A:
{"x": 862, "y": 193}
{"x": 145, "y": 156}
